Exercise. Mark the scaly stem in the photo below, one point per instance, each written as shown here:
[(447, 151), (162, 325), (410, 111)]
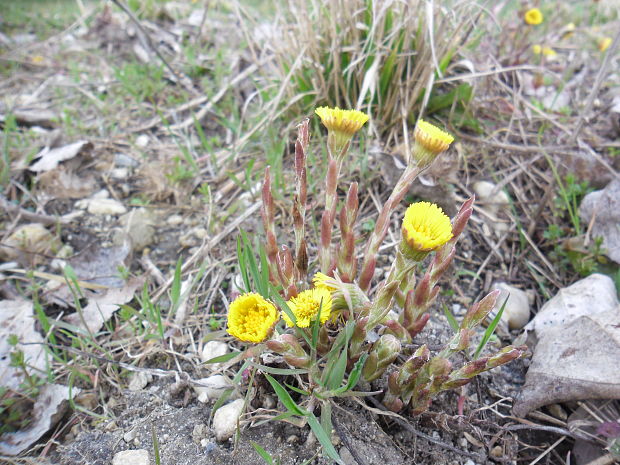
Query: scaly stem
[(383, 223)]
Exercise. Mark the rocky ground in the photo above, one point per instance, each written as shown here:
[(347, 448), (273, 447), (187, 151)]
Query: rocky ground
[(134, 142)]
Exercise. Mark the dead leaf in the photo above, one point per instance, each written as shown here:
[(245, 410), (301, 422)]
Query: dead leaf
[(604, 208), (101, 308), (50, 158), (17, 318), (33, 117), (100, 264), (63, 184), (48, 409), (574, 361)]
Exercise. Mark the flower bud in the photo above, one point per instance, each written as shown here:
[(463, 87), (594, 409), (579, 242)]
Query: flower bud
[(384, 352)]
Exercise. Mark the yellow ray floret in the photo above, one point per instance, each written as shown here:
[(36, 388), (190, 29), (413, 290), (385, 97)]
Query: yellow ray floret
[(432, 138), (533, 17), (307, 304), (604, 43), (251, 318), (347, 122), (321, 280), (426, 227)]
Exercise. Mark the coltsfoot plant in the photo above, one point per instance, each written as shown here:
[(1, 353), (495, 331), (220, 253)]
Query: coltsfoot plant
[(322, 315)]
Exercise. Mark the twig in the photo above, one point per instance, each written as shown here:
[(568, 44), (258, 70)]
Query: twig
[(611, 52), (343, 434), (405, 424), (182, 79)]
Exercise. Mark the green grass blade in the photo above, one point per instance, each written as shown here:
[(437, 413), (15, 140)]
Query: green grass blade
[(285, 397), (489, 332), (324, 438), (262, 452), (450, 317), (175, 289)]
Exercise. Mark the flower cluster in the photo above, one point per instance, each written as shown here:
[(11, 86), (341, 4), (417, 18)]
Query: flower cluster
[(340, 326)]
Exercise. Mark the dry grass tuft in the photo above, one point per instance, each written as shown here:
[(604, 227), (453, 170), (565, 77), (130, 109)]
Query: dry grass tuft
[(381, 57)]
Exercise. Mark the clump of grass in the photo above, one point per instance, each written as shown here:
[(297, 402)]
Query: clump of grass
[(380, 57)]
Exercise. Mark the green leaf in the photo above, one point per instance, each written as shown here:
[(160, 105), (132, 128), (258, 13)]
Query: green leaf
[(262, 452), (220, 401), (354, 376), (278, 371), (243, 269), (175, 289), (285, 397), (489, 332), (450, 317), (338, 370), (222, 358), (324, 438)]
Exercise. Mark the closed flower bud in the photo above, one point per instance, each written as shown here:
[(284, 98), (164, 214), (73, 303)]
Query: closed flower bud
[(382, 355)]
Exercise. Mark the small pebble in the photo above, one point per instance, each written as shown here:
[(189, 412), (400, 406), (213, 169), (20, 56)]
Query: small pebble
[(213, 349), (131, 457), (130, 435), (211, 388), (142, 140), (174, 220), (225, 420)]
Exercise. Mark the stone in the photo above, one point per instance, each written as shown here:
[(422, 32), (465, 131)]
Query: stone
[(174, 220), (517, 311), (122, 160), (213, 349), (494, 201), (587, 297), (105, 207), (488, 194), (130, 435), (602, 208), (139, 225), (225, 419), (131, 457), (142, 140), (30, 238), (211, 388), (139, 380)]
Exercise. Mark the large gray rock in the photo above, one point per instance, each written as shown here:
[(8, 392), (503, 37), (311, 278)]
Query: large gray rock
[(603, 207)]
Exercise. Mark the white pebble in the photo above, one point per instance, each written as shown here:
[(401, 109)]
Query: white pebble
[(211, 388), (225, 420), (517, 311), (213, 349), (131, 457)]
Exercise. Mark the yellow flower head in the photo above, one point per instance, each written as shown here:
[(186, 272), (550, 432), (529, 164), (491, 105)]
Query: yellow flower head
[(345, 121), (604, 43), (251, 318), (536, 49), (425, 228), (432, 138), (321, 280), (549, 52), (533, 17), (430, 141), (306, 305), (341, 125)]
